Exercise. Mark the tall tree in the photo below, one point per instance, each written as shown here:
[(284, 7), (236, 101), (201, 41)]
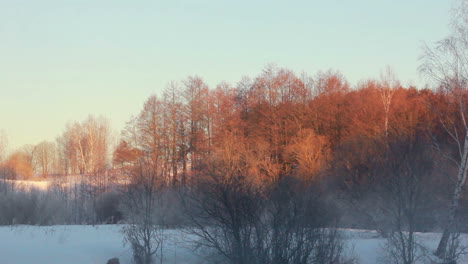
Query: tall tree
[(387, 89), (447, 65), (86, 145), (144, 153), (195, 94), (45, 156), (174, 132), (328, 108)]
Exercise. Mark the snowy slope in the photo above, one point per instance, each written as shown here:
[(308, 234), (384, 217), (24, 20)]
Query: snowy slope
[(95, 245)]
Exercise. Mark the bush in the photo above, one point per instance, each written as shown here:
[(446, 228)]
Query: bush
[(107, 208), (145, 226), (283, 223), (30, 207)]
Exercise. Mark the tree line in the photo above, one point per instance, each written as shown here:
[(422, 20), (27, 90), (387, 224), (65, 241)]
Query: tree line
[(280, 124), (265, 170), (374, 156), (354, 145)]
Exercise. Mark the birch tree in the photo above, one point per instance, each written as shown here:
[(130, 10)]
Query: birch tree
[(387, 90), (447, 64)]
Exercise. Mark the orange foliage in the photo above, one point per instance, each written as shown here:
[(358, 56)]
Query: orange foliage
[(19, 163), (278, 124)]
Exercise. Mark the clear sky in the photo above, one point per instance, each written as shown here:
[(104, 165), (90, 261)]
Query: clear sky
[(61, 60)]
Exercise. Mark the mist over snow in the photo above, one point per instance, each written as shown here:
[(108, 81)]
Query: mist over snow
[(96, 244)]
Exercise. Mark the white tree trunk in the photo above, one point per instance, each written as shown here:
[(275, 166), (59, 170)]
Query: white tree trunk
[(441, 249)]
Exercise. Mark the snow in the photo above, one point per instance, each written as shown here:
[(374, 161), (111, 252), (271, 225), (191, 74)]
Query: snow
[(79, 245), (29, 185), (97, 244), (61, 244)]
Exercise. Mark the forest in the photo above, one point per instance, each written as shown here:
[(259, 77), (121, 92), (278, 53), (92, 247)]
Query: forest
[(376, 156), (268, 169)]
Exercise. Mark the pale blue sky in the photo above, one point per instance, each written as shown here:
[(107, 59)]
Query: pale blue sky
[(61, 60)]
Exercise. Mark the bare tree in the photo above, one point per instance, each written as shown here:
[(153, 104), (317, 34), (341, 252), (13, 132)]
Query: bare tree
[(387, 89), (142, 205), (3, 146), (243, 220), (144, 156), (174, 126), (6, 172), (405, 182), (195, 94), (447, 65), (310, 152), (84, 148), (65, 153), (86, 144), (330, 82), (29, 153), (245, 223), (45, 156)]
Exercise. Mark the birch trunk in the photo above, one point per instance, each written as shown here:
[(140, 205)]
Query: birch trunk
[(442, 247)]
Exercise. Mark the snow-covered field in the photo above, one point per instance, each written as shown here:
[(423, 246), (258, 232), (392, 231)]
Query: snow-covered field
[(95, 245)]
